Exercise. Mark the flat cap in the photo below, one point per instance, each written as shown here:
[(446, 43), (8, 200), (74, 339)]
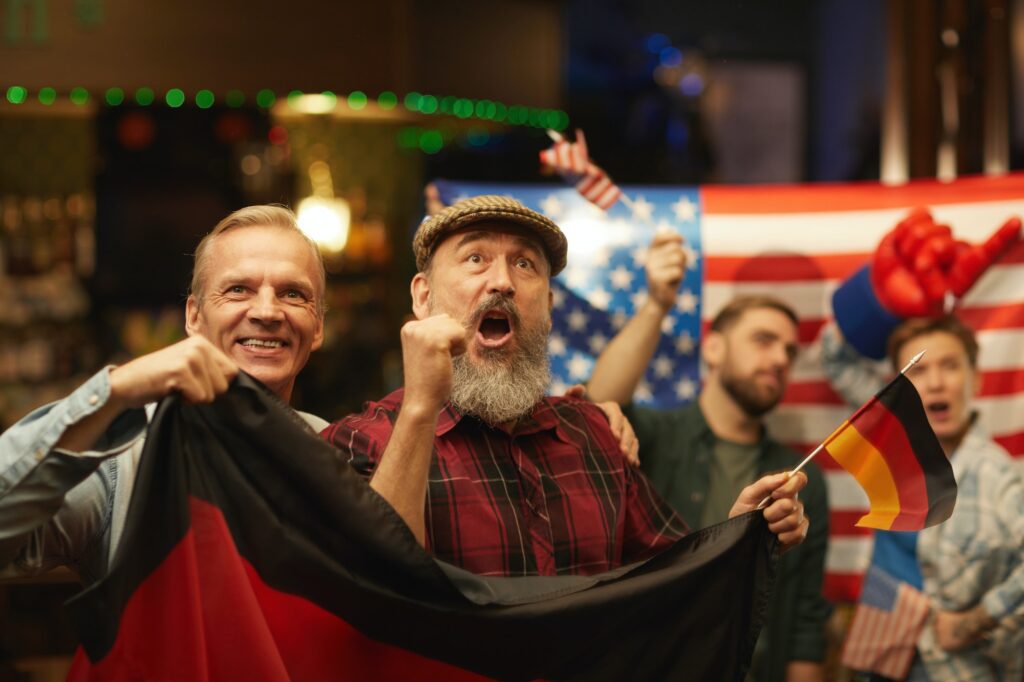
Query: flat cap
[(489, 208)]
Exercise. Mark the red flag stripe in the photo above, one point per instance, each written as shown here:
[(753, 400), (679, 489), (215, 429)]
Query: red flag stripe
[(845, 584), (1013, 442), (783, 267), (843, 523), (1008, 316), (828, 198)]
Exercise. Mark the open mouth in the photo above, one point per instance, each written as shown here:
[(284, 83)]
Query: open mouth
[(494, 329)]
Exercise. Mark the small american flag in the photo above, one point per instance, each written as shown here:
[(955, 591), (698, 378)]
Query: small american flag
[(888, 620), (572, 161)]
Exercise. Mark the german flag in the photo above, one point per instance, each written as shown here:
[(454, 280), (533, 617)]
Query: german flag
[(253, 551), (889, 447)]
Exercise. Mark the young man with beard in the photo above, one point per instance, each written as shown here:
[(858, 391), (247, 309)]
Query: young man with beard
[(67, 469), (699, 456), (489, 473)]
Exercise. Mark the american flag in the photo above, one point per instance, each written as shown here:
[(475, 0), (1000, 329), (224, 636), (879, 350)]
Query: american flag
[(572, 161), (797, 242), (886, 625)]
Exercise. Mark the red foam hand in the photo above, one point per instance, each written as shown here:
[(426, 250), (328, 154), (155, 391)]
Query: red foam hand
[(919, 262), (971, 261)]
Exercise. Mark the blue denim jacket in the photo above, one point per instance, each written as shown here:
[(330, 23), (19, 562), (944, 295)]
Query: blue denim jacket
[(57, 507)]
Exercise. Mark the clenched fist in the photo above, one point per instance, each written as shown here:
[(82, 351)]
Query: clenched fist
[(428, 346)]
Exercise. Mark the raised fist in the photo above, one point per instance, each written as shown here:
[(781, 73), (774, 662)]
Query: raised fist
[(919, 262)]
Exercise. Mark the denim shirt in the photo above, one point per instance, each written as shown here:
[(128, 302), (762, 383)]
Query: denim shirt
[(64, 508)]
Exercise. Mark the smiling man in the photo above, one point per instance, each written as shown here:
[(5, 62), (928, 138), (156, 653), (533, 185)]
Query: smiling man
[(67, 469), (489, 473)]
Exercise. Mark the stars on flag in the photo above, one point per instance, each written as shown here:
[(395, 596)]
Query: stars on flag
[(685, 343), (556, 344), (663, 367), (639, 256), (686, 389), (642, 209), (643, 392), (685, 209), (579, 367), (599, 298), (686, 302), (597, 343), (551, 207), (577, 320), (621, 278), (692, 257)]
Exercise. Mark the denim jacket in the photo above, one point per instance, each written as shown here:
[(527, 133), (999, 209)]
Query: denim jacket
[(64, 508)]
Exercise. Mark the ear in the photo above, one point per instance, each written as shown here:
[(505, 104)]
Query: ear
[(551, 299), (192, 316), (976, 382), (318, 335), (713, 349), (420, 291)]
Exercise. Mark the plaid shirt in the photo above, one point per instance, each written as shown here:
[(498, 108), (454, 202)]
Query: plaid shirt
[(977, 555), (553, 497)]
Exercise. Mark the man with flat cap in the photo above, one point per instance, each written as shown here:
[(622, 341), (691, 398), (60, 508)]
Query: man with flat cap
[(489, 473)]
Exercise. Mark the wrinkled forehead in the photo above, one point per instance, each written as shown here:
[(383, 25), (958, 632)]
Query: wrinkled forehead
[(493, 231)]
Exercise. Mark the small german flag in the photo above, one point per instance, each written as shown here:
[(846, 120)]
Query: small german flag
[(889, 447)]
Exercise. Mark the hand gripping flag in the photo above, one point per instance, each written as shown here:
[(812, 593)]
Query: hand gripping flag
[(572, 161), (892, 452), (252, 551)]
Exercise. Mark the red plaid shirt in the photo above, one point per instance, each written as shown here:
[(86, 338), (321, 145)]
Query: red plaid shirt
[(553, 497)]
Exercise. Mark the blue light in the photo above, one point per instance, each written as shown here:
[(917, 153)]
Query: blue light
[(691, 84), (656, 42), (670, 56)]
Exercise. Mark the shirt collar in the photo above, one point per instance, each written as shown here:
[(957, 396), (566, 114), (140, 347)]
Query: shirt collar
[(695, 415), (541, 418)]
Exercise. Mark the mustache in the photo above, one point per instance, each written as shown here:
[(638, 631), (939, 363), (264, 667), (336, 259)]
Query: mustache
[(499, 302)]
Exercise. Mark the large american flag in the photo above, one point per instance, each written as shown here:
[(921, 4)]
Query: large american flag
[(797, 242)]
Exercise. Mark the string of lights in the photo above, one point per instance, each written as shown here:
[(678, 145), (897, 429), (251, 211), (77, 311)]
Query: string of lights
[(314, 103)]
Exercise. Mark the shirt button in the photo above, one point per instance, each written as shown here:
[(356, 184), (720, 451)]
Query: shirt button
[(93, 399), (697, 497), (40, 453)]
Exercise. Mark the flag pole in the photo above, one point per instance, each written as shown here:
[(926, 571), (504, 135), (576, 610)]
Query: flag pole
[(913, 361)]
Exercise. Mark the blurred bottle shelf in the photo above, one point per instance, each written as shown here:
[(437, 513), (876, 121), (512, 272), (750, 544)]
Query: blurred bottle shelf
[(47, 343)]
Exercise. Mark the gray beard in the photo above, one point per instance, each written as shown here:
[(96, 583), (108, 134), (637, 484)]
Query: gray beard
[(504, 384)]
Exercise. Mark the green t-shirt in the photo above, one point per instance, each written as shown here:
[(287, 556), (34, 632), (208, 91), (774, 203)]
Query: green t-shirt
[(732, 468)]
